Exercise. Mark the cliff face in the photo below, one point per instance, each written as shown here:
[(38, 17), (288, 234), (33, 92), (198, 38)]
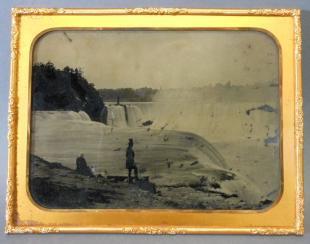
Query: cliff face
[(67, 89)]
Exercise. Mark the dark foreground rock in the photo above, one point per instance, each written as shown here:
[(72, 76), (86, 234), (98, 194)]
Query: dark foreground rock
[(82, 168), (54, 186)]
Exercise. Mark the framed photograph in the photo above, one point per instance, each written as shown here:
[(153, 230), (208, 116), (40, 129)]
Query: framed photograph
[(157, 121)]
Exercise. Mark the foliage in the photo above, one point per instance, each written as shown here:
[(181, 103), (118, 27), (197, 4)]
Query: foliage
[(66, 89), (144, 94)]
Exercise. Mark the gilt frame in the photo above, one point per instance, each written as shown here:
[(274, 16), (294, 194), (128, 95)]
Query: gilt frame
[(285, 217)]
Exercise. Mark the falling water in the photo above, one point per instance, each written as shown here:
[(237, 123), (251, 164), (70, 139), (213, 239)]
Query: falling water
[(124, 115)]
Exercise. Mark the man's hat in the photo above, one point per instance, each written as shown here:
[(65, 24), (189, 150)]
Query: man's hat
[(130, 140)]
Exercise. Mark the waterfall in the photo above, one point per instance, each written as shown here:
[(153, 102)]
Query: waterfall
[(124, 115), (116, 116), (135, 115)]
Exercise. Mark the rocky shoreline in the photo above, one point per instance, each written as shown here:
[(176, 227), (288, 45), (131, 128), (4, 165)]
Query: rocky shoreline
[(56, 186)]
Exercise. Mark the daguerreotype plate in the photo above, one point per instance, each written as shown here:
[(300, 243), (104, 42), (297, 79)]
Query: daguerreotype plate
[(156, 121)]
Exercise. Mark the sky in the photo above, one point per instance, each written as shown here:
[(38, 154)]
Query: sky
[(163, 59)]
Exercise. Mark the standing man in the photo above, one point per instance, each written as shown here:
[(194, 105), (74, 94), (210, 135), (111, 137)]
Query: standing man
[(130, 161)]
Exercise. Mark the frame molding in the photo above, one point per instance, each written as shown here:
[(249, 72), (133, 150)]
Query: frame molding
[(12, 215)]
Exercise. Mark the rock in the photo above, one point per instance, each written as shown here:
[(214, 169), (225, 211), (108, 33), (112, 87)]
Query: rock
[(145, 185), (215, 185), (147, 123), (194, 163), (203, 180), (82, 167), (166, 138), (266, 202), (226, 176)]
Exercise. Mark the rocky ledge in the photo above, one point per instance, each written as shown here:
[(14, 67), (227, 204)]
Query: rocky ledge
[(53, 185)]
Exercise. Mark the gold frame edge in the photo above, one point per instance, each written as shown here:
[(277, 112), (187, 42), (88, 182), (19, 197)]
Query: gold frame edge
[(11, 214)]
